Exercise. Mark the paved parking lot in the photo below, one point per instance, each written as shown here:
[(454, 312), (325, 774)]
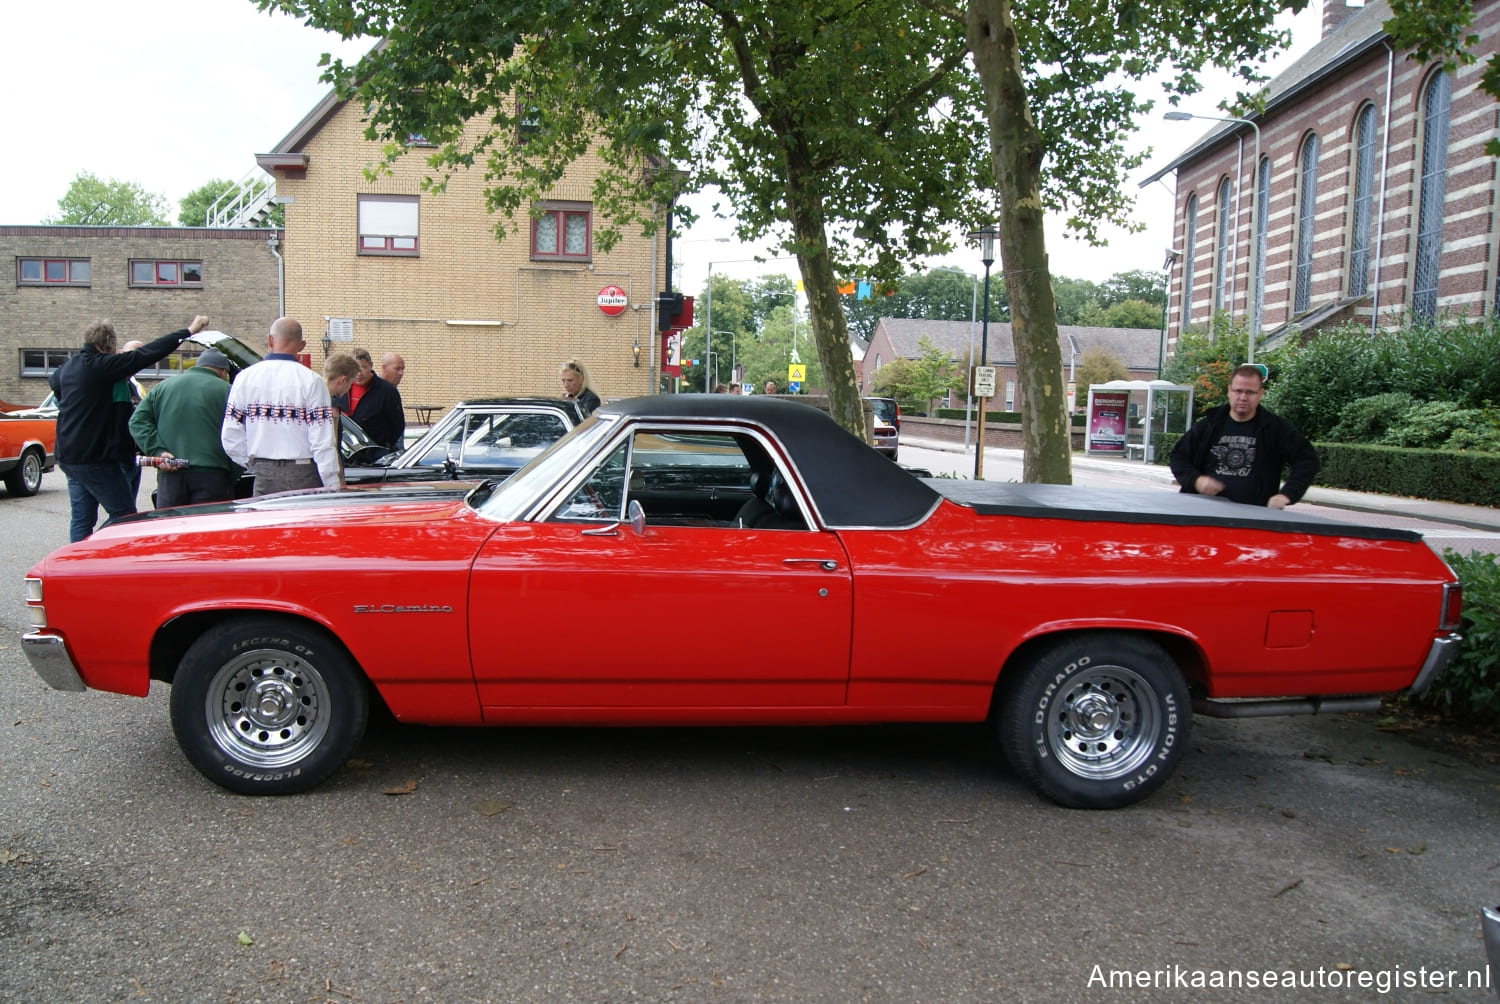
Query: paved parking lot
[(846, 864)]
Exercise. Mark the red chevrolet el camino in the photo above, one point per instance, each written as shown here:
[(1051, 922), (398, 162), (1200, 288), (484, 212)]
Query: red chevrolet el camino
[(596, 586)]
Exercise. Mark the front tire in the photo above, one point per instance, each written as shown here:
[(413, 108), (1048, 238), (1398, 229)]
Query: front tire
[(264, 706), (25, 480), (1095, 721)]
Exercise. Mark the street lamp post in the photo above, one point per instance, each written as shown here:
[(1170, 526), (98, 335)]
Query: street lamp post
[(973, 322), (734, 349), (986, 238), (1253, 321)]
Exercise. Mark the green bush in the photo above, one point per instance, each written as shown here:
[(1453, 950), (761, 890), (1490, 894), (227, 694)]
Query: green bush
[(1455, 360), (1368, 419), (1446, 425), (1470, 686)]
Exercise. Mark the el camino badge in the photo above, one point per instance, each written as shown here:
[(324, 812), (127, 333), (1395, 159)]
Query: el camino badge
[(397, 608)]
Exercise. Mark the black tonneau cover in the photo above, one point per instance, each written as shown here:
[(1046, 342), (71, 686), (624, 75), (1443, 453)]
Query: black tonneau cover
[(1115, 505)]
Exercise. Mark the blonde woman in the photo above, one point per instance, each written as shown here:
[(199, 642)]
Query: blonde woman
[(576, 386)]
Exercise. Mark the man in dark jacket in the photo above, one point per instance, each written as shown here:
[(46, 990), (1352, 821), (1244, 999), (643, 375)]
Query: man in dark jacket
[(94, 447), (375, 405), (1238, 450)]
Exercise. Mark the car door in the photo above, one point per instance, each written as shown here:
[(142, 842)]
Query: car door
[(578, 611)]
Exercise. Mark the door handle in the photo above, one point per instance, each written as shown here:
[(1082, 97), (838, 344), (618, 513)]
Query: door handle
[(827, 564)]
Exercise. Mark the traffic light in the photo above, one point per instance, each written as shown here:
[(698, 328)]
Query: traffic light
[(668, 306)]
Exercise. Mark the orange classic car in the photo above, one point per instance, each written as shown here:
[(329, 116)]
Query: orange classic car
[(28, 442), (596, 586)]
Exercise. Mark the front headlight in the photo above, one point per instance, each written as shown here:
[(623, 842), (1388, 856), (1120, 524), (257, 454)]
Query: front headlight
[(36, 613)]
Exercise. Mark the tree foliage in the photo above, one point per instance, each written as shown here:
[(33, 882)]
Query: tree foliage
[(851, 130), (1058, 84), (1441, 31), (934, 295), (917, 383), (193, 207), (848, 130), (1097, 364), (99, 202)]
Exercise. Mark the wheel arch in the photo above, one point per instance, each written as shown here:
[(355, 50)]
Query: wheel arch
[(173, 638), (1185, 652)]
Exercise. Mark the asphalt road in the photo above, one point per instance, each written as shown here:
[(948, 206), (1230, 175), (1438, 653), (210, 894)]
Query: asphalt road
[(882, 864)]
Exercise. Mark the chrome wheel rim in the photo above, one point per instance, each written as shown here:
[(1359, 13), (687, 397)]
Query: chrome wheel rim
[(267, 708), (1105, 724), (31, 472)]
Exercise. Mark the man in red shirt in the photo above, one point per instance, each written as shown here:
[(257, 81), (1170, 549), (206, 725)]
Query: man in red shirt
[(375, 405)]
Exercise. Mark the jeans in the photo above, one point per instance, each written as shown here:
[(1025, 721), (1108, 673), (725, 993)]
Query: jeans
[(93, 485)]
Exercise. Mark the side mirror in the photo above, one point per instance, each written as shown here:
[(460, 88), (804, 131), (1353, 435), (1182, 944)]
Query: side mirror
[(636, 517)]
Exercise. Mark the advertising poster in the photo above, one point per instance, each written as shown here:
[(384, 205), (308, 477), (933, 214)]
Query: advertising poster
[(1107, 421)]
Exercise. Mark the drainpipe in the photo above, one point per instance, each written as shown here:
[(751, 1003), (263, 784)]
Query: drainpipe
[(271, 244), (1385, 152)]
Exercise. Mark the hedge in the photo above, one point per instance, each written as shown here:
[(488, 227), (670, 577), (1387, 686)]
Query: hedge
[(1465, 476), (1003, 417)]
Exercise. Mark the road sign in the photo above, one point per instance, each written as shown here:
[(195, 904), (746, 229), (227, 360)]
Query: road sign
[(984, 381), (796, 373)]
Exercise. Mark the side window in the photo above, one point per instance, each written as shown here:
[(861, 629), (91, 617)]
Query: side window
[(602, 496), (689, 478)]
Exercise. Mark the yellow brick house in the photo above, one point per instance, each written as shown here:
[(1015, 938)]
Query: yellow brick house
[(384, 265)]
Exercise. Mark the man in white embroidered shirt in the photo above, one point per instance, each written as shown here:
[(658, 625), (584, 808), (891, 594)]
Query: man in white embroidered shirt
[(279, 423)]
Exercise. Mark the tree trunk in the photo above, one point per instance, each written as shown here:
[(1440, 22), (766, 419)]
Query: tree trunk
[(1016, 151), (830, 329)]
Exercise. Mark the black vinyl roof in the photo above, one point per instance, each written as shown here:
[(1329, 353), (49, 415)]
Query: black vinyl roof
[(851, 484)]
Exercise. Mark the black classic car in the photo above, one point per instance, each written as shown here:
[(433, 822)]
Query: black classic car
[(488, 438)]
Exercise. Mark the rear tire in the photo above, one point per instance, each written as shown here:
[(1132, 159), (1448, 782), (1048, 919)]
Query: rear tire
[(1095, 721), (25, 479), (264, 706)]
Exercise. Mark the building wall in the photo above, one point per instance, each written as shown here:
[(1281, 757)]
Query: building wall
[(472, 316), (239, 290), (1468, 263)]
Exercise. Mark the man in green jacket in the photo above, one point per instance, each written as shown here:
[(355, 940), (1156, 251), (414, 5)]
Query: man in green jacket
[(180, 418)]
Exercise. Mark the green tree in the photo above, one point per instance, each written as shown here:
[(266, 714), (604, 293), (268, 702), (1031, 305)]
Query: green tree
[(194, 206), (1056, 82), (848, 130), (1133, 314), (1097, 364), (851, 129), (917, 383), (934, 295), (1135, 284), (96, 202)]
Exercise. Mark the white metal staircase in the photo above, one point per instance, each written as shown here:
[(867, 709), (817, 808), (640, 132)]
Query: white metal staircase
[(247, 204)]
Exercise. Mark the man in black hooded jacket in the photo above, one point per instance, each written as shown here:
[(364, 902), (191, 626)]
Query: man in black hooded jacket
[(94, 446), (1238, 450)]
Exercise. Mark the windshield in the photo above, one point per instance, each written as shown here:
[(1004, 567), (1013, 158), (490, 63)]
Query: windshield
[(512, 498)]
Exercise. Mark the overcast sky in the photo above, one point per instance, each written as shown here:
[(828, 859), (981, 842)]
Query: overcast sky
[(174, 93)]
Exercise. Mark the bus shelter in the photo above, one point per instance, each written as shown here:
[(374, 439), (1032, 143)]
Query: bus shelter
[(1123, 415)]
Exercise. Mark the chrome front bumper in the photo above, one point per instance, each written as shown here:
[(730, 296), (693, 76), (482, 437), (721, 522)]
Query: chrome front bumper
[(1439, 656), (48, 655)]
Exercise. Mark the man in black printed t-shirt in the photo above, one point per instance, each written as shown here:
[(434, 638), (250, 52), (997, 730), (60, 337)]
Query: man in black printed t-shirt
[(1238, 450)]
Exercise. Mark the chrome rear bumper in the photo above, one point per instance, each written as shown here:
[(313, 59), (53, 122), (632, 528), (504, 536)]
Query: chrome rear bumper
[(1438, 657)]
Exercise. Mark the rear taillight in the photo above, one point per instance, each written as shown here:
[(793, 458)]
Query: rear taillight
[(897, 420), (1453, 604)]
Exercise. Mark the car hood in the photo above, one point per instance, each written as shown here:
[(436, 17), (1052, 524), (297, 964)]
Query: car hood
[(319, 502)]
